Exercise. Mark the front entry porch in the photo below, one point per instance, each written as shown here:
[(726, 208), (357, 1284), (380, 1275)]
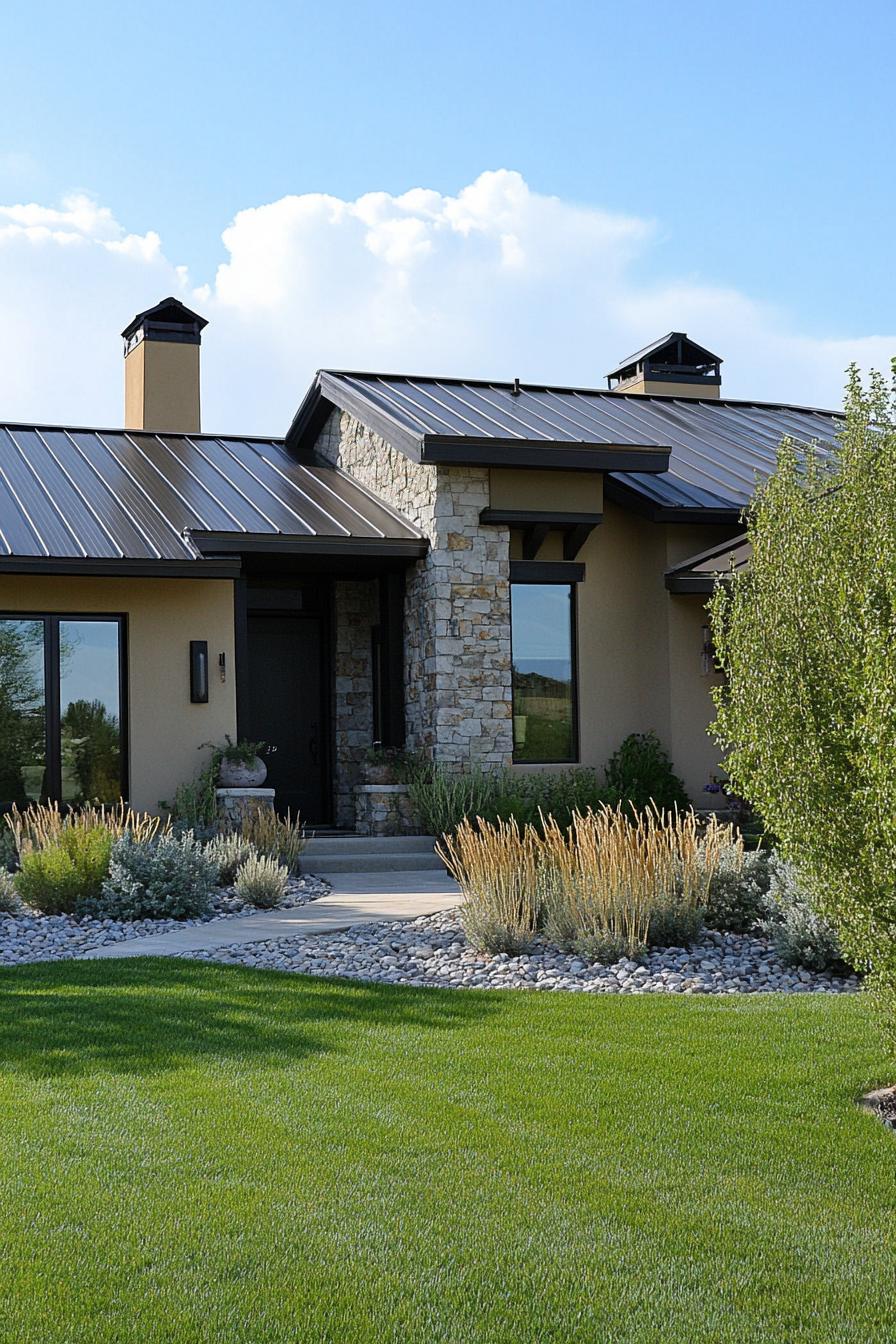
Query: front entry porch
[(320, 676)]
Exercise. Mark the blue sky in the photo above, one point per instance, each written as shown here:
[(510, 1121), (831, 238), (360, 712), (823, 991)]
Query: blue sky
[(736, 150)]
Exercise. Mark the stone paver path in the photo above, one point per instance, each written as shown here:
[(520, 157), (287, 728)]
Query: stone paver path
[(356, 898)]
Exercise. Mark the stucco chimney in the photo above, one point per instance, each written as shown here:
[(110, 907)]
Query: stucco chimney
[(161, 368), (673, 366)]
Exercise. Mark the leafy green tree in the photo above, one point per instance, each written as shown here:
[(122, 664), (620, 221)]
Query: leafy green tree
[(91, 751), (807, 638), (21, 710)]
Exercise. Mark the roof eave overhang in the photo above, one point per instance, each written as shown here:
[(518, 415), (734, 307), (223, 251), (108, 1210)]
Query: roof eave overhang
[(547, 454), (207, 567), (327, 393), (701, 573), (720, 514), (241, 543), (703, 584)]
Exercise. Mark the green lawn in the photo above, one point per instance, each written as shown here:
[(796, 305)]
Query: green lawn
[(204, 1153)]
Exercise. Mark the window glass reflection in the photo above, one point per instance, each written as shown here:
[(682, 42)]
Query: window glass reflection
[(22, 712), (543, 693), (90, 712)]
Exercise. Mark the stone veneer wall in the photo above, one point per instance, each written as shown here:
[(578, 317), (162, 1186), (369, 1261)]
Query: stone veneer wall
[(356, 610), (457, 610)]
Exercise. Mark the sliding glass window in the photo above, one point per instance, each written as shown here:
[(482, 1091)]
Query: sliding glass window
[(544, 680), (61, 709)]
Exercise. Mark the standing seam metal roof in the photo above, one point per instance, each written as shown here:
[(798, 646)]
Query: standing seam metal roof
[(118, 495), (87, 494), (718, 447)]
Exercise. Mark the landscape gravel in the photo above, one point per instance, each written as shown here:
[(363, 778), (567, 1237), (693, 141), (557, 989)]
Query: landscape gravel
[(432, 951), (27, 935)]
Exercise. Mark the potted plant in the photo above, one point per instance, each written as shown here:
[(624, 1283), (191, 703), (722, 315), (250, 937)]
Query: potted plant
[(384, 765), (240, 764)]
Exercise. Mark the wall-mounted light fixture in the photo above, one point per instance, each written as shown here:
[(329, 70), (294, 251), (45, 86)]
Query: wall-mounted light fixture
[(199, 671)]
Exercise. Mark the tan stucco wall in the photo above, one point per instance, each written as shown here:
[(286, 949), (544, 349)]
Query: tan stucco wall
[(639, 647), (564, 491), (161, 387), (655, 388), (166, 730)]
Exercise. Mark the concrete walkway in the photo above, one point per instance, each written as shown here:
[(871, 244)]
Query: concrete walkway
[(356, 898)]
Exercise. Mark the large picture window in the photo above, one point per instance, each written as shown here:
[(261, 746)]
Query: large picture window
[(61, 709), (544, 689)]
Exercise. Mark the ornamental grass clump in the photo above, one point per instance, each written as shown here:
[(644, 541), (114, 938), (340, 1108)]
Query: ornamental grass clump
[(278, 838), (229, 852), (261, 881), (41, 825), (65, 875), (691, 852), (443, 798), (609, 885), (595, 892), (496, 866), (615, 882)]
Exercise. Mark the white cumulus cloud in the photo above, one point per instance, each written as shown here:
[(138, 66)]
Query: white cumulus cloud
[(497, 280)]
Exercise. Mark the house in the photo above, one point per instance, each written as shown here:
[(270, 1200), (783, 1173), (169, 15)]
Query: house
[(491, 572)]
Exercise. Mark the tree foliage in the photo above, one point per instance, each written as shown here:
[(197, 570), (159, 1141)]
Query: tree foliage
[(21, 709), (807, 638)]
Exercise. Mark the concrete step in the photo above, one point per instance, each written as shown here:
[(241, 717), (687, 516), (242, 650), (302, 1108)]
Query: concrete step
[(336, 853), (343, 842), (323, 865)]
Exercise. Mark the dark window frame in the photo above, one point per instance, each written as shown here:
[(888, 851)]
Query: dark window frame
[(52, 691), (561, 582)]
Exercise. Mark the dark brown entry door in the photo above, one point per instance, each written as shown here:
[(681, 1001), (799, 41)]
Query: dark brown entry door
[(286, 709)]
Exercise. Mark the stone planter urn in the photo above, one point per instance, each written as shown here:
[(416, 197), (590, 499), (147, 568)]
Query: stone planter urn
[(378, 773), (238, 775), (383, 765)]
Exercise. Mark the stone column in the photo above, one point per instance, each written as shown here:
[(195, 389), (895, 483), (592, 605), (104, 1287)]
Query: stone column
[(457, 606), (356, 611)]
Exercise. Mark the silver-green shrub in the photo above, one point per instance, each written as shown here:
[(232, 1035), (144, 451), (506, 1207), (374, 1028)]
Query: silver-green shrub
[(261, 881), (171, 877), (801, 936), (9, 897), (228, 852), (278, 838), (674, 925), (738, 890), (605, 948)]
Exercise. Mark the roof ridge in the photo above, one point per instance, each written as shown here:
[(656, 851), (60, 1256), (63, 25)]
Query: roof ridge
[(123, 429), (536, 386)]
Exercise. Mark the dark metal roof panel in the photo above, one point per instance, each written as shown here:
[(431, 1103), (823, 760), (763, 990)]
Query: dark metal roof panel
[(718, 448), (476, 409), (120, 496), (117, 495)]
